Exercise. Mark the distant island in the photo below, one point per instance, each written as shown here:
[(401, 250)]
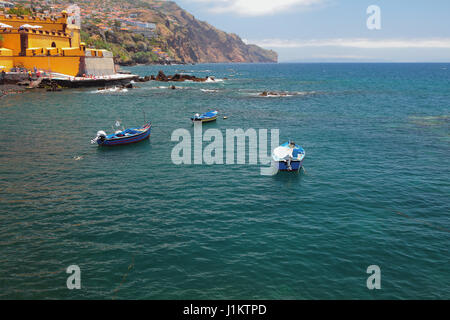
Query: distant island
[(151, 31)]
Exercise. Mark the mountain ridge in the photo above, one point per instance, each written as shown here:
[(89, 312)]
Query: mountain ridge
[(184, 38), (198, 41)]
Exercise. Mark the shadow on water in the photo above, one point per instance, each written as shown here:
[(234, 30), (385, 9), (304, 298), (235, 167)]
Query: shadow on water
[(289, 177)]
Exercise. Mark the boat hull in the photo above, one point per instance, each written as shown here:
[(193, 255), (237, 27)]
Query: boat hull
[(295, 165), (204, 120), (127, 140), (206, 117)]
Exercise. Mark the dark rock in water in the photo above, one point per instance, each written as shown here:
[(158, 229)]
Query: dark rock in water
[(161, 77), (129, 86), (273, 94), (54, 87), (147, 78), (173, 87), (177, 78), (195, 79)]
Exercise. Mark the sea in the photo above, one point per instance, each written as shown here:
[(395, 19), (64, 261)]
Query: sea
[(374, 191)]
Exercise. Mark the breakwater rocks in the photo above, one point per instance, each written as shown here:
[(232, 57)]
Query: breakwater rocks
[(162, 77), (274, 94)]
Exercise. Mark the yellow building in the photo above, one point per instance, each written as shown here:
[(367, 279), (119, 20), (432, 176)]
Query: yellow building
[(49, 44)]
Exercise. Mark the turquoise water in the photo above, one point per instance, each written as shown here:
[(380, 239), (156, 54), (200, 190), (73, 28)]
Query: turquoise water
[(375, 190)]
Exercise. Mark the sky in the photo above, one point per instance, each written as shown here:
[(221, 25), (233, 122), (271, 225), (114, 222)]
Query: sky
[(335, 30)]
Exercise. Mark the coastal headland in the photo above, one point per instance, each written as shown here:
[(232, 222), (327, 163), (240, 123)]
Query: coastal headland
[(72, 49)]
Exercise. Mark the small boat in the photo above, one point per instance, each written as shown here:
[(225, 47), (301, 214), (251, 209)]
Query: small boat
[(127, 136), (289, 151), (206, 117)]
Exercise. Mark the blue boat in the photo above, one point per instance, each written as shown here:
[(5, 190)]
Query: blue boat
[(289, 157), (206, 117), (127, 136)]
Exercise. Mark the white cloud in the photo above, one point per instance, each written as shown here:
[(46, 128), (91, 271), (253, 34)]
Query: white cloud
[(257, 7), (356, 43)]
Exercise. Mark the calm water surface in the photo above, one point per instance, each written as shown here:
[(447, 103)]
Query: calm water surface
[(375, 191)]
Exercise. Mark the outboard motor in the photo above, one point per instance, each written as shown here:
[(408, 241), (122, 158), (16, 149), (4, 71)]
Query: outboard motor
[(101, 136)]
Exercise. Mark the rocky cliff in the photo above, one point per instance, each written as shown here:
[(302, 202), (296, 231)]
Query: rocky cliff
[(194, 41), (183, 37)]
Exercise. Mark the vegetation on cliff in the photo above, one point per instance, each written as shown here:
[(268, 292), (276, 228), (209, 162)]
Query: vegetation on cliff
[(128, 48), (20, 11), (184, 38)]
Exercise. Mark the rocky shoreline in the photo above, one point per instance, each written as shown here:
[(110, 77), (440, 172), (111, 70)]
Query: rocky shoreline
[(162, 77), (8, 89), (20, 84)]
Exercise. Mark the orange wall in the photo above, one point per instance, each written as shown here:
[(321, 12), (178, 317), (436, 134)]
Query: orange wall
[(74, 32), (66, 58), (46, 24), (11, 41), (6, 62), (65, 65), (44, 41)]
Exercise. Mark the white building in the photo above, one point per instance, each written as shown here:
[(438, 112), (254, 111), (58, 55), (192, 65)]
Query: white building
[(4, 4), (74, 13)]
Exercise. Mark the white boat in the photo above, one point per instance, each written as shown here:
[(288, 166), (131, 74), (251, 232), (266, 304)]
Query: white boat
[(289, 157)]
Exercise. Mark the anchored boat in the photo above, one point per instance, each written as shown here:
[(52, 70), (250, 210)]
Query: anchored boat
[(289, 157), (124, 137), (206, 117)]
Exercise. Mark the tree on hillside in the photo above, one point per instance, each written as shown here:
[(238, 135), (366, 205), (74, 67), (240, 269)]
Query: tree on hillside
[(117, 24), (19, 10)]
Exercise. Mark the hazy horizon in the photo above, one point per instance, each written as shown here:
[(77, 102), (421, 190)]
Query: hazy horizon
[(334, 30)]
